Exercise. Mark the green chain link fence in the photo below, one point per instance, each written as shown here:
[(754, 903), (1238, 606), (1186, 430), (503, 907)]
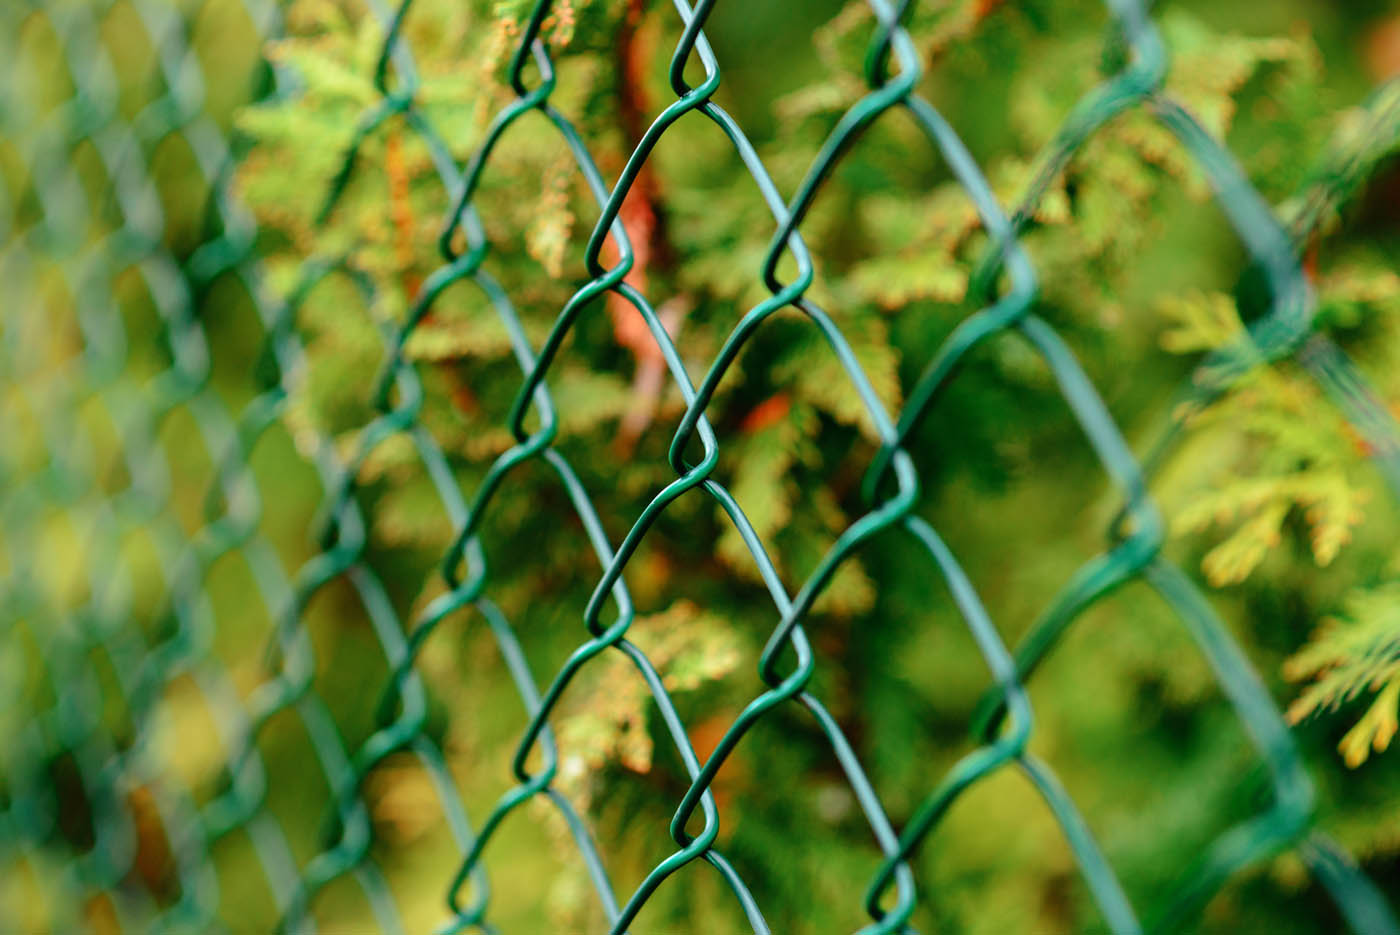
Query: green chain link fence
[(97, 828)]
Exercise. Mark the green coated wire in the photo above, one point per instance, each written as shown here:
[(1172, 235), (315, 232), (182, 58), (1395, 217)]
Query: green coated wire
[(1005, 282)]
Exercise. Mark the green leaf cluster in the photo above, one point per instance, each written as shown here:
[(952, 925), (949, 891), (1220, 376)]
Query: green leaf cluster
[(1137, 273)]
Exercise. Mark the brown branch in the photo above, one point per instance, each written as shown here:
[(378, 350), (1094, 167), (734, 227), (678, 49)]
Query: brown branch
[(643, 217)]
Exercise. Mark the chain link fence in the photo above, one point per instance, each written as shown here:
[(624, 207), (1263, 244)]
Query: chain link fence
[(137, 423)]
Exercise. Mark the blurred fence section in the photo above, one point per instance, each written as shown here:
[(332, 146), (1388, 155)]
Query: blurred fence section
[(150, 493), (124, 475)]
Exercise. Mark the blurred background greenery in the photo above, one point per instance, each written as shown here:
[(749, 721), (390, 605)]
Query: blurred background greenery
[(1273, 502)]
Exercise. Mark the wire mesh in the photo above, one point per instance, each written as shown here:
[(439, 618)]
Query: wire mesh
[(107, 647)]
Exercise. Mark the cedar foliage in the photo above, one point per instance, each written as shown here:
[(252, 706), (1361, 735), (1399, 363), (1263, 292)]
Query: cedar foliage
[(1272, 492)]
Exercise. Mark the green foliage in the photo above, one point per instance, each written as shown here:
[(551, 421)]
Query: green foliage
[(1113, 237), (692, 648), (1287, 452), (1347, 659)]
